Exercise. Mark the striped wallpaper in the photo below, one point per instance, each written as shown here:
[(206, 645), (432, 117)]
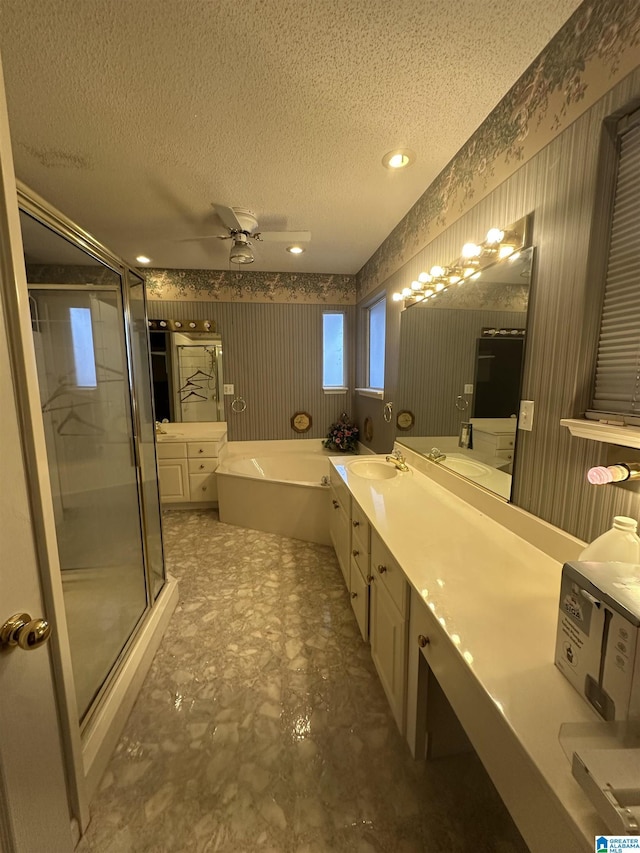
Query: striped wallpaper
[(272, 353), (560, 187)]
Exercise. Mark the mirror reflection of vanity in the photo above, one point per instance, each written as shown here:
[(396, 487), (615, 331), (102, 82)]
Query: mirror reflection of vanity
[(461, 356), (186, 357)]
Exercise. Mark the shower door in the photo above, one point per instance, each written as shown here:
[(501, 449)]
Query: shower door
[(83, 376)]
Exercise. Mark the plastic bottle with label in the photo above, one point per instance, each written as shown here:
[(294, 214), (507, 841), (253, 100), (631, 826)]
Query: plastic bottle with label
[(620, 544)]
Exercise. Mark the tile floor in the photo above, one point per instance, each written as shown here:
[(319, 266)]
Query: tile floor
[(262, 725)]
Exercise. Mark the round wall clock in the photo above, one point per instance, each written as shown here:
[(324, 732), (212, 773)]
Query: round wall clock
[(301, 422), (405, 419)]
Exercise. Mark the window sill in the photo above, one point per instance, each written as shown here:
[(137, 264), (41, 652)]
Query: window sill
[(335, 390), (627, 436), (376, 393)]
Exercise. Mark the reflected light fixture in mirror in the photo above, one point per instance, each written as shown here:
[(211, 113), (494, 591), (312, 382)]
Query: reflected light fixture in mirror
[(498, 245)]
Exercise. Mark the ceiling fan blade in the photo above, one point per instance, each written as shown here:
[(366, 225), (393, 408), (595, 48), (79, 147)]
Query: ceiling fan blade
[(285, 236), (204, 237), (228, 217)]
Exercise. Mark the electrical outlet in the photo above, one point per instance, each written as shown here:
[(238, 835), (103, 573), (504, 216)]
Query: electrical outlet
[(468, 389), (228, 389), (525, 421)]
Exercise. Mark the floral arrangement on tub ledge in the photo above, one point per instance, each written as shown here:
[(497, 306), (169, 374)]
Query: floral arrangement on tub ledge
[(342, 436)]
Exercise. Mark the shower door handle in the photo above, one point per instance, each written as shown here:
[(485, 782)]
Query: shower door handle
[(21, 630)]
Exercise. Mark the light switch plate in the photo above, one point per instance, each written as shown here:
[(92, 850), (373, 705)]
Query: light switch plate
[(525, 421), (468, 389), (228, 389)]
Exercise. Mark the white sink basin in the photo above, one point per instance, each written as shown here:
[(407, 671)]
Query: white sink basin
[(373, 470), (466, 467)]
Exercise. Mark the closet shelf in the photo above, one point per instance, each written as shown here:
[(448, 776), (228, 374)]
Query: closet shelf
[(627, 436)]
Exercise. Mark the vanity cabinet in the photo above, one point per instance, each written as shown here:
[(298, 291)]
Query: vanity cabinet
[(186, 471), (360, 568), (339, 527), (388, 626)]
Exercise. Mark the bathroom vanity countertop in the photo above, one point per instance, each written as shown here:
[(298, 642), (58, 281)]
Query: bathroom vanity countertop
[(205, 431), (496, 597)]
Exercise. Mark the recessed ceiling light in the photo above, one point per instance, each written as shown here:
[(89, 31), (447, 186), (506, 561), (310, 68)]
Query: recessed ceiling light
[(398, 159), (143, 259), (295, 250)]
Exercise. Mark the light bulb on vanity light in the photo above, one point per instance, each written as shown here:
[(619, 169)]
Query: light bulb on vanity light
[(436, 271), (471, 250), (505, 251), (397, 297), (494, 235), (416, 285), (424, 277), (406, 292)]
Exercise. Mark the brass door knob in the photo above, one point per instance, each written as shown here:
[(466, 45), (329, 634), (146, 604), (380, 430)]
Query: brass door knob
[(382, 569), (21, 630), (423, 641)]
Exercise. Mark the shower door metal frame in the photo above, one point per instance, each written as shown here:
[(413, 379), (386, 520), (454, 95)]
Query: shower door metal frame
[(45, 534)]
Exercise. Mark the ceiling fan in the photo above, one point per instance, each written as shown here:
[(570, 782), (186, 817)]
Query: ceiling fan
[(242, 226)]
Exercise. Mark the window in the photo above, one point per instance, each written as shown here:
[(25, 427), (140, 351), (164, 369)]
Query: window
[(376, 342), (82, 343), (333, 360), (617, 380)]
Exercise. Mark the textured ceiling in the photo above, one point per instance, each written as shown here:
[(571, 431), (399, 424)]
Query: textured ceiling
[(132, 116)]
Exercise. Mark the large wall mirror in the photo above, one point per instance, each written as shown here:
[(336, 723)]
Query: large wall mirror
[(461, 357), (187, 371)]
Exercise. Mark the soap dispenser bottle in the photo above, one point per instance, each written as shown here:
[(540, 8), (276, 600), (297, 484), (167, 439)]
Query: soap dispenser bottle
[(620, 544)]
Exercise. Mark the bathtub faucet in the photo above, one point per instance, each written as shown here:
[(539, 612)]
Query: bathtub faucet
[(398, 460)]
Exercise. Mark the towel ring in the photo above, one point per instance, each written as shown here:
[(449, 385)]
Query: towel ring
[(238, 405), (461, 404), (386, 412)]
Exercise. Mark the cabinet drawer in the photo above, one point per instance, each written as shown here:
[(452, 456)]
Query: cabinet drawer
[(504, 442), (172, 450), (359, 526), (203, 487), (340, 500), (203, 465), (360, 557), (386, 571), (505, 454), (202, 448)]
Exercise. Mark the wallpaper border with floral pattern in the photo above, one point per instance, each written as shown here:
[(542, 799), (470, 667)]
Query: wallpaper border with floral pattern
[(599, 45), (231, 286)]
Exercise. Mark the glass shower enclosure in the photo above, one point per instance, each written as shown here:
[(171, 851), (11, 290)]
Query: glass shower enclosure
[(91, 344)]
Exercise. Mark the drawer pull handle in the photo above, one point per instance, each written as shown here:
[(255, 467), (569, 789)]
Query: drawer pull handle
[(201, 450), (423, 641), (354, 595), (382, 569), (370, 578), (202, 466), (356, 523), (336, 505), (355, 552)]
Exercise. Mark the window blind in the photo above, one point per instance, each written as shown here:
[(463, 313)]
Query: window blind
[(617, 380)]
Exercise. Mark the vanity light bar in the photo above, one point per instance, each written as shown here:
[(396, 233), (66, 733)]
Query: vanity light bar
[(499, 245), (182, 326)]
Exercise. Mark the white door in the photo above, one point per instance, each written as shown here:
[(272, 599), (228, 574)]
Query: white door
[(34, 806)]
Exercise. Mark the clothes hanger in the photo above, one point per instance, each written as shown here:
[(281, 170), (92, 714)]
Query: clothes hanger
[(199, 373), (73, 416), (189, 384), (192, 394)]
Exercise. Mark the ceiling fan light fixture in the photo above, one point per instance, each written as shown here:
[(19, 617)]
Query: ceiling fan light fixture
[(241, 250), (295, 250)]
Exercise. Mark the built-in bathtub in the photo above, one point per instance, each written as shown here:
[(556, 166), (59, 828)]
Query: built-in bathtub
[(276, 486)]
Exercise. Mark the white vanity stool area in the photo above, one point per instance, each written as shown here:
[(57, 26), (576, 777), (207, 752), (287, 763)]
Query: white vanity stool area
[(457, 593), (188, 455)]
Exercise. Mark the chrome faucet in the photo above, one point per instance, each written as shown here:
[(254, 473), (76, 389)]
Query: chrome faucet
[(160, 430), (397, 459), (436, 455)]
